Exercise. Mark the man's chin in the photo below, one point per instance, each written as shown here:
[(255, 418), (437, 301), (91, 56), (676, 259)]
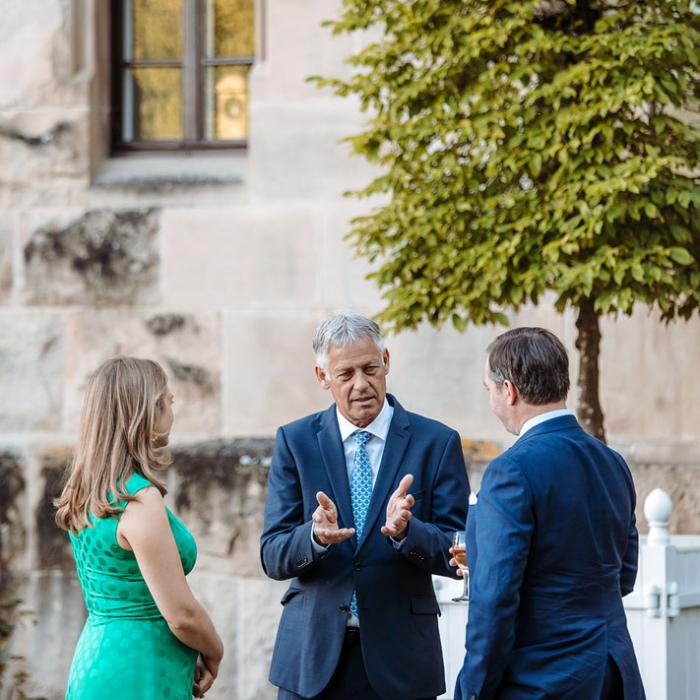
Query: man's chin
[(362, 418)]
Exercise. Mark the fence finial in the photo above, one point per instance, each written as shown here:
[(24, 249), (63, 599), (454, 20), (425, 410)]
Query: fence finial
[(657, 509)]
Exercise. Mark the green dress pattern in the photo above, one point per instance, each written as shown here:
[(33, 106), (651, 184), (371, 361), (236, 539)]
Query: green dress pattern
[(126, 650)]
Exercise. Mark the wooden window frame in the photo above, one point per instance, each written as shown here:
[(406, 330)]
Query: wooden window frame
[(193, 64)]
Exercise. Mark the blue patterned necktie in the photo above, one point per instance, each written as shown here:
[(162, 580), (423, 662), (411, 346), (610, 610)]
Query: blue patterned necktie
[(360, 490)]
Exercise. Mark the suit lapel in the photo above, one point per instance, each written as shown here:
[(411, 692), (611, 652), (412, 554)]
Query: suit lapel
[(331, 448), (396, 443)]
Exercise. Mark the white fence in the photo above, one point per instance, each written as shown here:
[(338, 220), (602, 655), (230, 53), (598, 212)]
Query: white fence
[(663, 611)]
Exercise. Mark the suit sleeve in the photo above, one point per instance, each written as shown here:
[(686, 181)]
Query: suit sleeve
[(505, 521), (628, 570), (286, 548), (427, 544)]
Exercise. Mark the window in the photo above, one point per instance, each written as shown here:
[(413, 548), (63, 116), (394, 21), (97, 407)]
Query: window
[(180, 77)]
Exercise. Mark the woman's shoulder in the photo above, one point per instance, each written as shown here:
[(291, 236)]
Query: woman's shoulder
[(137, 482)]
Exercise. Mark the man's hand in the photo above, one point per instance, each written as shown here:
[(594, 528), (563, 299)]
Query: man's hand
[(398, 510), (325, 517), (453, 562)]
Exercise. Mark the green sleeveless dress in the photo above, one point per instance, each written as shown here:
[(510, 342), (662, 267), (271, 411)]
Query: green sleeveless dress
[(126, 650)]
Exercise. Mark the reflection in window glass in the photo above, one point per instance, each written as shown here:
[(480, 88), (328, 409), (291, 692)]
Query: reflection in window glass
[(153, 97), (156, 29), (227, 103), (230, 28)]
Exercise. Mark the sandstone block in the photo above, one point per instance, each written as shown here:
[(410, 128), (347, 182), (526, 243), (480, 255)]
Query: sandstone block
[(239, 257), (31, 370), (188, 347), (103, 257), (5, 256), (269, 370), (220, 489)]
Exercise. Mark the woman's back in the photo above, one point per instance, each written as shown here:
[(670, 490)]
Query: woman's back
[(126, 649)]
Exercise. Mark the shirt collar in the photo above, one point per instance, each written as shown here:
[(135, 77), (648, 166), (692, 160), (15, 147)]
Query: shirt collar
[(379, 427), (542, 417)]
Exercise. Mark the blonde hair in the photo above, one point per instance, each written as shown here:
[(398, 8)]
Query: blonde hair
[(122, 403)]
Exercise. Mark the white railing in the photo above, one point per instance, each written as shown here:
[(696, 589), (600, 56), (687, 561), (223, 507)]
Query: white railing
[(663, 611)]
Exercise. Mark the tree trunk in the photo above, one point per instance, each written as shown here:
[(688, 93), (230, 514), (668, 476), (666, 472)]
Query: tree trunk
[(589, 411)]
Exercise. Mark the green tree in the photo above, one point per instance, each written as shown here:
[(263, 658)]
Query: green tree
[(524, 147)]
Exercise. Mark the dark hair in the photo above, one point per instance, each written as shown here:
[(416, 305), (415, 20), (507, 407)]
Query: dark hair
[(534, 360)]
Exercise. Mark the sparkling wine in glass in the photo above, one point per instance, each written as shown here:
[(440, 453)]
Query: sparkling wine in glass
[(459, 552)]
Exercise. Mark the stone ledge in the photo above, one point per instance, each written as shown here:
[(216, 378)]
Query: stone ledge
[(165, 172)]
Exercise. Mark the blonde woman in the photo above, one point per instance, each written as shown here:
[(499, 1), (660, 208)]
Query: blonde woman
[(146, 636)]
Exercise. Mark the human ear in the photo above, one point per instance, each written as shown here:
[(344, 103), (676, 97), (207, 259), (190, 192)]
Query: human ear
[(511, 392), (322, 377), (385, 358)]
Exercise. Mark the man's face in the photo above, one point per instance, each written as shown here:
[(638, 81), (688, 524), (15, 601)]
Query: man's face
[(498, 397), (356, 376)]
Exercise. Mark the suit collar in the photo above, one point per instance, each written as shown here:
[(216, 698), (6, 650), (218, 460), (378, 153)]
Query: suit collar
[(331, 447), (549, 426)]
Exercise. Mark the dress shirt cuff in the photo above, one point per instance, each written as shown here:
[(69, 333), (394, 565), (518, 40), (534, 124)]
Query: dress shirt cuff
[(398, 544), (317, 546)]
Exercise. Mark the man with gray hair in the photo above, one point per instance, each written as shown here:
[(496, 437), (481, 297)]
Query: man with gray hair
[(363, 500)]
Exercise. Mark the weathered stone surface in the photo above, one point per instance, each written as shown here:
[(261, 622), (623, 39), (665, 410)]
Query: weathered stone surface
[(239, 257), (220, 493), (681, 482), (269, 366), (13, 533), (5, 256), (649, 379), (104, 257), (50, 617), (31, 370), (246, 612), (188, 347), (53, 546), (38, 147), (343, 274)]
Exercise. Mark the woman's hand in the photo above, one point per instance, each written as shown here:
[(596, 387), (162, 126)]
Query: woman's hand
[(203, 678), (212, 665)]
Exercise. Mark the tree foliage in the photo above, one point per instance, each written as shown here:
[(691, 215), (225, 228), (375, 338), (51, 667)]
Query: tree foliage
[(527, 147)]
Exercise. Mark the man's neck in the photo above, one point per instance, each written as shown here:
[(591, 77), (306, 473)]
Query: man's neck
[(529, 411)]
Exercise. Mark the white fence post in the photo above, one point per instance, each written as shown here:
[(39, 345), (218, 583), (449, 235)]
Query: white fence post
[(663, 612)]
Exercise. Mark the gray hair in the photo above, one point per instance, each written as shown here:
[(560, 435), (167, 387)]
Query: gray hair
[(344, 329)]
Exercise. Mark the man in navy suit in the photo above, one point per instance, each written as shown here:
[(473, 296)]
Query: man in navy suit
[(359, 619), (551, 544)]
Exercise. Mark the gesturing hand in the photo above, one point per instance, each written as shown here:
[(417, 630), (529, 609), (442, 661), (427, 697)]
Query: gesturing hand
[(325, 517), (398, 510)]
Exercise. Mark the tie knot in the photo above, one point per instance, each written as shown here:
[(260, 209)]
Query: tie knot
[(361, 437)]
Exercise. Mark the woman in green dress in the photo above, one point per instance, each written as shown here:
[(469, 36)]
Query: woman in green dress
[(146, 636)]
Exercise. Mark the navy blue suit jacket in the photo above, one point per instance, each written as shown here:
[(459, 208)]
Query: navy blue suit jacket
[(397, 606), (552, 548)]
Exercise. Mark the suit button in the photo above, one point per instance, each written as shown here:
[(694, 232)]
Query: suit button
[(357, 566)]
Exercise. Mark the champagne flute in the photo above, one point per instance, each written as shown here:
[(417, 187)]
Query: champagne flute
[(459, 552)]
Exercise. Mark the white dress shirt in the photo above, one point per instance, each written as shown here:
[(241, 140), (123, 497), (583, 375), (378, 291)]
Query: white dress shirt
[(542, 417), (378, 429)]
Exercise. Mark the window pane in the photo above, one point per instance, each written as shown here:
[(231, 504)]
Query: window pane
[(152, 104), (155, 29), (230, 28), (227, 102)]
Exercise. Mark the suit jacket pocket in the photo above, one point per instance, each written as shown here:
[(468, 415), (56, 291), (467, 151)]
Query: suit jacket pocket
[(289, 594), (425, 606)]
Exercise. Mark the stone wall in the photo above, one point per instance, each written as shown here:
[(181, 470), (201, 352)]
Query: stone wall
[(219, 266)]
